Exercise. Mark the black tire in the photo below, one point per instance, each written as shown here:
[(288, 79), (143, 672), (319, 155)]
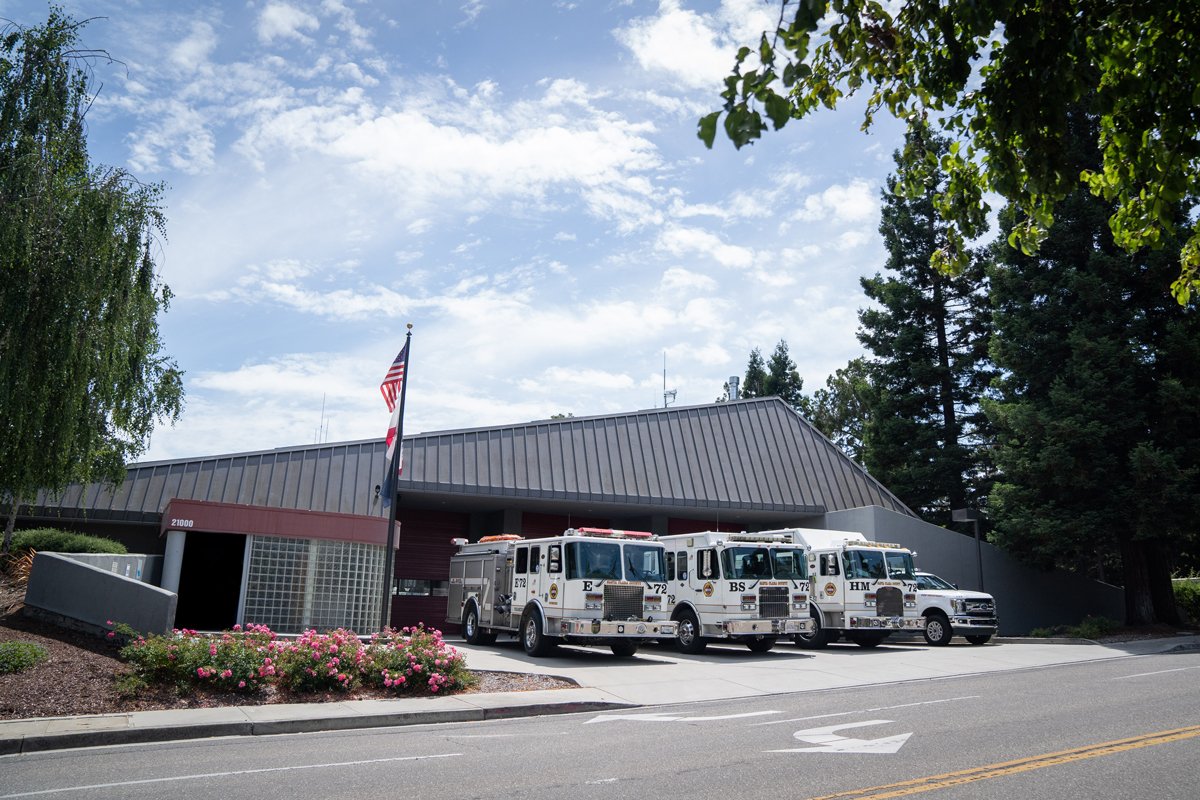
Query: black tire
[(533, 639), (818, 639), (471, 631), (980, 639), (687, 634), (761, 644), (866, 639), (937, 630), (624, 649)]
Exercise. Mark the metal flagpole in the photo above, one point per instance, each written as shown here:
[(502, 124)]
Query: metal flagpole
[(389, 555)]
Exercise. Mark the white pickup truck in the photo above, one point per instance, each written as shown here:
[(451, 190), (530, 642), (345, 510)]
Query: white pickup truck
[(949, 610)]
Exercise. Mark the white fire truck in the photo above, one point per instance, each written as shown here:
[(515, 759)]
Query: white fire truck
[(742, 587), (588, 586), (862, 590)]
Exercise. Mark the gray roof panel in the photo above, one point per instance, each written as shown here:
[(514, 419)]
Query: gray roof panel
[(756, 454)]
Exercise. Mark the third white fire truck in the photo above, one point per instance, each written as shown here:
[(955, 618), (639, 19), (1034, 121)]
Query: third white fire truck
[(741, 587), (862, 590), (588, 586)]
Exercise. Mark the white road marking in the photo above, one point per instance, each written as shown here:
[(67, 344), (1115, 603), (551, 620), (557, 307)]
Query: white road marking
[(602, 780), (872, 710), (224, 774), (672, 718), (1160, 672), (827, 741)]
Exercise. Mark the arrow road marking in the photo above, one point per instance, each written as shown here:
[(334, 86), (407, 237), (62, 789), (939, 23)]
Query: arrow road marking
[(670, 718), (826, 741)]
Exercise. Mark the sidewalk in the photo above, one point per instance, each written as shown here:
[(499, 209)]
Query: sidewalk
[(656, 676)]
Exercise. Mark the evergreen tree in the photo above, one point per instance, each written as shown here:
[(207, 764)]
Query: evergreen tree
[(755, 382), (1098, 431), (783, 380), (82, 379), (927, 334)]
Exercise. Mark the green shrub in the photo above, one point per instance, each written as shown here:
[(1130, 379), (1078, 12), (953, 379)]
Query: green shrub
[(1089, 628), (1094, 628), (52, 540), (231, 661), (415, 660), (20, 656), (1187, 597)]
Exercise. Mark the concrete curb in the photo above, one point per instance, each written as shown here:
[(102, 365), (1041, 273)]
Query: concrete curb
[(123, 729)]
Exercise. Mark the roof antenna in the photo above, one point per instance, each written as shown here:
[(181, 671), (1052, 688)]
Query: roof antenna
[(668, 395)]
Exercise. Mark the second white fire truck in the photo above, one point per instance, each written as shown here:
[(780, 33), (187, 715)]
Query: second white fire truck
[(862, 590), (588, 586), (741, 587)]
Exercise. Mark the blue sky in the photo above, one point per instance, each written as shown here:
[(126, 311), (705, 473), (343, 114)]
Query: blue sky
[(519, 180)]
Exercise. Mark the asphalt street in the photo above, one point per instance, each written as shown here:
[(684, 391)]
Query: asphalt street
[(1121, 727)]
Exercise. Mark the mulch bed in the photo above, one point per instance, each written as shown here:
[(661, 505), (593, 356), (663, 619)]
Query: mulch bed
[(80, 674)]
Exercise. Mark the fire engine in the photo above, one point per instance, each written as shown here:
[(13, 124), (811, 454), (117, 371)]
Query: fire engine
[(588, 586), (741, 587), (862, 590)]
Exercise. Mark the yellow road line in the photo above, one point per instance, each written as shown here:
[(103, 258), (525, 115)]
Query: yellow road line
[(948, 779)]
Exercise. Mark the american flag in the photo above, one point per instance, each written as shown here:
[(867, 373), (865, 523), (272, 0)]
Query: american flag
[(390, 388)]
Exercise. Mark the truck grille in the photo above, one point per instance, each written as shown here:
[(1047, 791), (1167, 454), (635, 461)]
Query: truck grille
[(623, 600), (889, 602), (773, 602), (981, 608)]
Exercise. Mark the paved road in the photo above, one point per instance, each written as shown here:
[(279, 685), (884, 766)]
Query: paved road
[(1127, 727)]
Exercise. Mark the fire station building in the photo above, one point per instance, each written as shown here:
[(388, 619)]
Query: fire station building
[(295, 537)]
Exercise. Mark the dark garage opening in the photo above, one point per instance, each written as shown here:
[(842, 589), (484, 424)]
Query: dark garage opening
[(210, 581)]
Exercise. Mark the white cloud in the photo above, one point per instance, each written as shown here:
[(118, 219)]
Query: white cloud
[(852, 202), (678, 279), (191, 53), (283, 21), (681, 241)]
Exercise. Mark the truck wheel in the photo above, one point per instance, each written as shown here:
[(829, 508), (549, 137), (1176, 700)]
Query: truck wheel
[(761, 644), (865, 639), (533, 639), (818, 639), (624, 649), (980, 639), (471, 630), (937, 630), (687, 634)]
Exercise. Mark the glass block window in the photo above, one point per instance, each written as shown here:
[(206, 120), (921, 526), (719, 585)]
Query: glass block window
[(296, 584)]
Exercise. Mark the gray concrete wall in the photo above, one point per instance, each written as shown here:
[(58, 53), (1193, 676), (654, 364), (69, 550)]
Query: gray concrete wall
[(62, 586), (139, 566), (1025, 598)]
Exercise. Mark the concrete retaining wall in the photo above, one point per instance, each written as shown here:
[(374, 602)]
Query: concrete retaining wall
[(140, 567), (1025, 598), (63, 586)]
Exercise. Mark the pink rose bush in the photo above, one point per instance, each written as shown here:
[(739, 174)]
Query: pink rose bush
[(410, 660)]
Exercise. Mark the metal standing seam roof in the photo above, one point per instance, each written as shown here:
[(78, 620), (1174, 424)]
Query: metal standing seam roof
[(752, 455)]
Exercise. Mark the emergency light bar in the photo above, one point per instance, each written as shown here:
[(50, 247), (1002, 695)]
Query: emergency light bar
[(609, 533)]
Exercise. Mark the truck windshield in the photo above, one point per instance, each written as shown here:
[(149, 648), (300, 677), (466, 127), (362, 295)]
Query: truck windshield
[(900, 565), (644, 563), (596, 560), (933, 582), (746, 562), (789, 565), (866, 564)]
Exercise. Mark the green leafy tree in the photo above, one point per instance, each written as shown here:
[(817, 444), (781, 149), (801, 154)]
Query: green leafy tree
[(1097, 428), (972, 67), (927, 333), (843, 409), (82, 378)]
